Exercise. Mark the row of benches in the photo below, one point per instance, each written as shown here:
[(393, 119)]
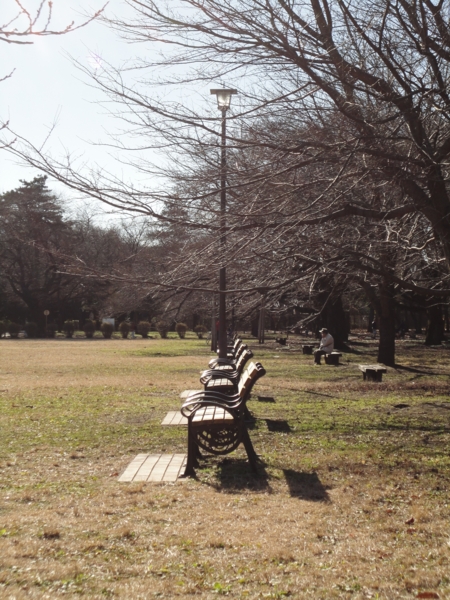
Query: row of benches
[(217, 415)]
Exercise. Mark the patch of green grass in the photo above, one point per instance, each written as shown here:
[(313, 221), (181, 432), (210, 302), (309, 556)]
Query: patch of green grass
[(351, 498), (173, 346)]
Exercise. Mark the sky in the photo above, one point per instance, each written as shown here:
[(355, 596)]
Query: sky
[(46, 88), (47, 93)]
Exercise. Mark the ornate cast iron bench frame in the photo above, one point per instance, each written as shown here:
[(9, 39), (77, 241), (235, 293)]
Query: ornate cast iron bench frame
[(216, 421)]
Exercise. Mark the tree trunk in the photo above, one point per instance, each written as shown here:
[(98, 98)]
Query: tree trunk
[(255, 326), (335, 319), (386, 348), (262, 321), (370, 320), (435, 325), (417, 320)]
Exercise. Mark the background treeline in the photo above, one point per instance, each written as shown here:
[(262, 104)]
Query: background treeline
[(82, 272), (50, 262)]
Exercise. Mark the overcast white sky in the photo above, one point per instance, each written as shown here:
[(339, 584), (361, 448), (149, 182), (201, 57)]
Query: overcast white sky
[(47, 88)]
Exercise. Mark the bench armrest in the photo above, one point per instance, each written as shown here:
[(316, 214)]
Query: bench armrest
[(193, 404), (217, 374), (221, 361)]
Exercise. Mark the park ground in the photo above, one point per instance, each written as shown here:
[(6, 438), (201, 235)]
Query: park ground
[(352, 499)]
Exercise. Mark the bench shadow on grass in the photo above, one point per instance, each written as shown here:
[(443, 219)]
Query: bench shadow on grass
[(278, 425), (235, 474), (266, 399), (306, 486), (414, 370)]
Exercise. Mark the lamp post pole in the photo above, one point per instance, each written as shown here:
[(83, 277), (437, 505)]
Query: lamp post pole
[(223, 101)]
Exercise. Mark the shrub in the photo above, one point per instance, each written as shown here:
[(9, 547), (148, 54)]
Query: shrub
[(13, 329), (124, 329), (31, 329), (69, 328), (89, 328), (107, 330), (181, 329), (162, 327), (143, 328), (200, 330), (51, 330)]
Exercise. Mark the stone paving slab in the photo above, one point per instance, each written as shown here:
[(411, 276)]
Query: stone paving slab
[(187, 393), (154, 468), (174, 417)]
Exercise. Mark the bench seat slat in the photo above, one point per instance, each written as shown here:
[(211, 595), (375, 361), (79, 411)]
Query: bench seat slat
[(211, 413)]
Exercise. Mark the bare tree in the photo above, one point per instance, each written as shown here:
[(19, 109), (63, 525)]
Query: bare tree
[(339, 102), (24, 24)]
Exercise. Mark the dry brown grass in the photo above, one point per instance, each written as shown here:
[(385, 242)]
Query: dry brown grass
[(352, 501)]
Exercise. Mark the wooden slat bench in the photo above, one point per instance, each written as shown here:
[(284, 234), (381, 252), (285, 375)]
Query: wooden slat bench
[(332, 358), (221, 384), (233, 355), (372, 372), (216, 422), (232, 370)]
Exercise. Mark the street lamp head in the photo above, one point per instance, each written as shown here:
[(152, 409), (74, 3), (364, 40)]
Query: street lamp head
[(223, 98)]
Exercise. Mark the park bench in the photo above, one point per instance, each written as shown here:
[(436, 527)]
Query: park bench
[(307, 349), (217, 422), (372, 372), (233, 348), (332, 358), (228, 382), (233, 354), (233, 370)]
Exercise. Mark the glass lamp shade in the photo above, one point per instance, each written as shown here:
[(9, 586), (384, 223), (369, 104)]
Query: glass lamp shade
[(223, 98)]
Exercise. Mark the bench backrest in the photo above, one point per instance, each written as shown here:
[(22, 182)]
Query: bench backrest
[(236, 348), (245, 356), (242, 348), (248, 379), (237, 342)]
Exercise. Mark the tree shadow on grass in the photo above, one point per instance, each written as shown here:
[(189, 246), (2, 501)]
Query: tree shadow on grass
[(359, 343), (427, 428), (319, 394), (413, 370), (306, 486), (439, 405), (351, 350)]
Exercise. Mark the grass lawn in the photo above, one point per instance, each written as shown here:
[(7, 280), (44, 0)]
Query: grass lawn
[(352, 500)]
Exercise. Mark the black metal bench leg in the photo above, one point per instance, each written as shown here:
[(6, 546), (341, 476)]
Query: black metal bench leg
[(252, 456), (192, 461), (247, 414)]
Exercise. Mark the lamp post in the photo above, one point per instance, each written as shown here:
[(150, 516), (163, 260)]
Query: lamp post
[(223, 103)]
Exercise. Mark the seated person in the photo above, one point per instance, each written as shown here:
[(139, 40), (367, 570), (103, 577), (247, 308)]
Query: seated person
[(326, 345)]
